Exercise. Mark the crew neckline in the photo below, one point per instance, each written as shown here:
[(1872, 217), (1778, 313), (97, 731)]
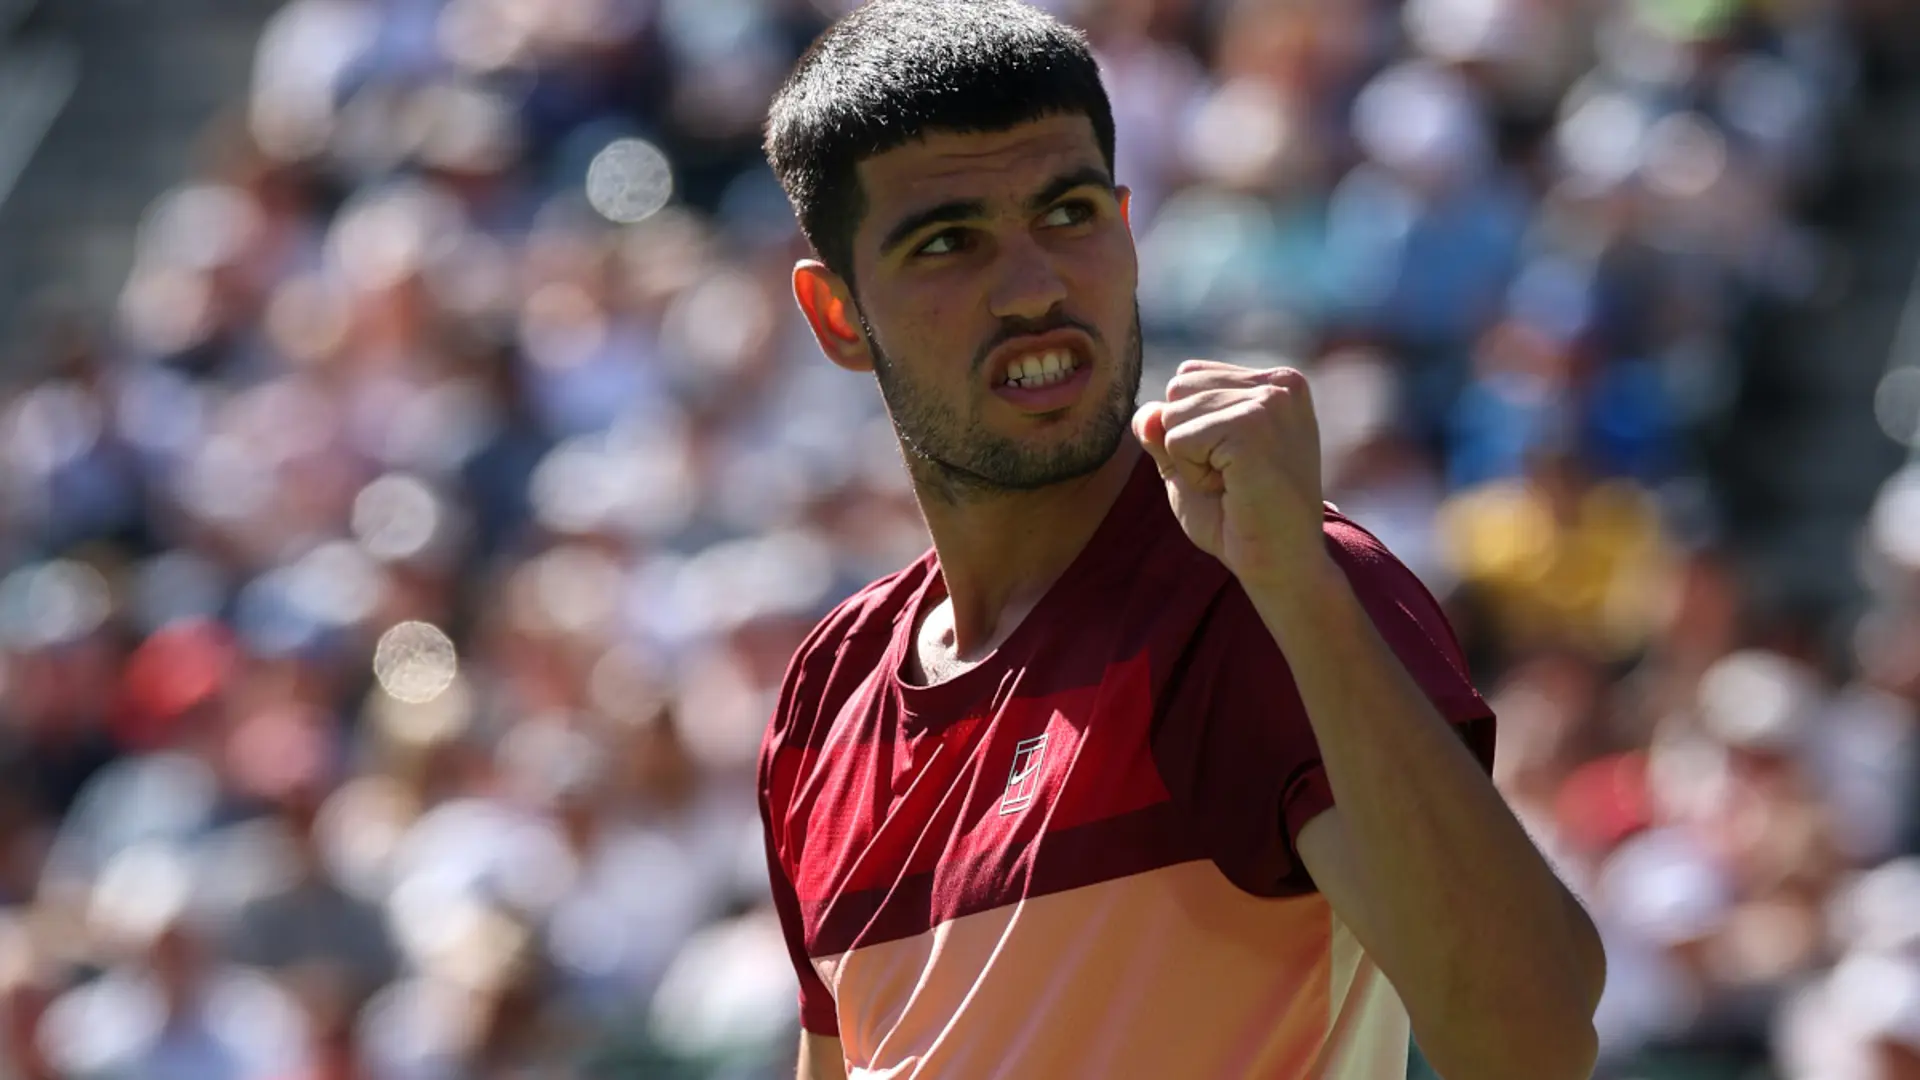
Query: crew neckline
[(928, 708)]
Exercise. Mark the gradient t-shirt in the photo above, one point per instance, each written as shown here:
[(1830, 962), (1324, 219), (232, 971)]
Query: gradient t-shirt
[(1076, 859)]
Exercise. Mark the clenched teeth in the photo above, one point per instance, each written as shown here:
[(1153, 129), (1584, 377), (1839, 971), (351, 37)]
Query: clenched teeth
[(1041, 369)]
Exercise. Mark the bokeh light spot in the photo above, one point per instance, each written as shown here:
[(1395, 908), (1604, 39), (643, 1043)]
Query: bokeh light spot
[(414, 662), (629, 181)]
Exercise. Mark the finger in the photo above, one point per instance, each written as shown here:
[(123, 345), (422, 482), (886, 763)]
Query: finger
[(1204, 442), (1150, 427), (1282, 391), (1202, 364), (1299, 397), (1197, 379), (1202, 402), (1293, 381)]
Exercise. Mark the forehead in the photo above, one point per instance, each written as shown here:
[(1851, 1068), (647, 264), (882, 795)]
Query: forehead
[(985, 166)]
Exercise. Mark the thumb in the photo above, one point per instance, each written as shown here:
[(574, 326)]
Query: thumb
[(1150, 427)]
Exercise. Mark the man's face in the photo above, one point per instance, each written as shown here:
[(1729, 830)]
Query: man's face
[(995, 278)]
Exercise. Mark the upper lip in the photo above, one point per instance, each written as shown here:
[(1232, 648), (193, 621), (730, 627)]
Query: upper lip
[(1072, 341)]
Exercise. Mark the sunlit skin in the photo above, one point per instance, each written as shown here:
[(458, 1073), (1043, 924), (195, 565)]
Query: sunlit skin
[(974, 248)]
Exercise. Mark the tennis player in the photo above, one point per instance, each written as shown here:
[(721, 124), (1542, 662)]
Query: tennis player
[(1155, 765)]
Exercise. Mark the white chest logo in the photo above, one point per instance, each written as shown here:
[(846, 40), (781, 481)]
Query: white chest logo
[(1023, 780)]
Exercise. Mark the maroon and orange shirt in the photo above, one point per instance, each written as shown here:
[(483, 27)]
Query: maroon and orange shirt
[(1076, 859)]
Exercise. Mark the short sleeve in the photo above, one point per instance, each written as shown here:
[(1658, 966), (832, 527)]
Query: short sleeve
[(1233, 741), (817, 1013), (780, 752)]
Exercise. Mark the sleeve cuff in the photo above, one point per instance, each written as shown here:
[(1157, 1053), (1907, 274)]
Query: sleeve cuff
[(819, 1020), (1311, 793), (1309, 796)]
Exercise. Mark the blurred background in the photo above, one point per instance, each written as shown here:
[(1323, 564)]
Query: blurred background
[(414, 478)]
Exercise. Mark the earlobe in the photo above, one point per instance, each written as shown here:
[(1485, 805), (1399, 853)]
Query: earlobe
[(822, 300)]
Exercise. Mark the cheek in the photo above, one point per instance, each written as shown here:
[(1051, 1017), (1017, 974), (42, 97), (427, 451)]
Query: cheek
[(1106, 278), (927, 323)]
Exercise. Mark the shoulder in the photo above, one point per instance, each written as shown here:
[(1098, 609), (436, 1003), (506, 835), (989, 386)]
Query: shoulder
[(1237, 655), (1402, 606), (866, 615), (1347, 535), (1373, 571), (1233, 739), (855, 632)]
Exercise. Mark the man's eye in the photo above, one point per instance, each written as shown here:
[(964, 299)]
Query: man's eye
[(946, 243), (1069, 213)]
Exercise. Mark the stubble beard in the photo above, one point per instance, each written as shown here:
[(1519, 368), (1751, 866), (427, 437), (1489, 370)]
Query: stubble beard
[(956, 459)]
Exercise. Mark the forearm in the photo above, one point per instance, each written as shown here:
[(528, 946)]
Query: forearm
[(1497, 964)]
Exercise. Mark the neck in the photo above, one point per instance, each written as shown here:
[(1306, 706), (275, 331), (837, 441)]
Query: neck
[(999, 554)]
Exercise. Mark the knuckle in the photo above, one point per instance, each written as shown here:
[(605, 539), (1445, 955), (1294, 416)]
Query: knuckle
[(1287, 379), (1182, 440), (1286, 382)]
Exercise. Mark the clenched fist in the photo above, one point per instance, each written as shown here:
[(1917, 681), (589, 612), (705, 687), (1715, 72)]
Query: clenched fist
[(1239, 449)]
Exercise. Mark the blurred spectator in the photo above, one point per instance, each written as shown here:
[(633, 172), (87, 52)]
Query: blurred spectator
[(165, 1007), (305, 919)]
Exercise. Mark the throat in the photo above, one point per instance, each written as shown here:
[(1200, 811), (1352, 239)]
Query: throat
[(936, 656), (934, 668)]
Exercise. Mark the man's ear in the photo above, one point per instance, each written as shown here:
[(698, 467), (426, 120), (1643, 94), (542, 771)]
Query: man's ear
[(827, 303), (1126, 205)]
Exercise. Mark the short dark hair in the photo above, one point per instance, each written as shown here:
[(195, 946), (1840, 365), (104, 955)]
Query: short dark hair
[(894, 70)]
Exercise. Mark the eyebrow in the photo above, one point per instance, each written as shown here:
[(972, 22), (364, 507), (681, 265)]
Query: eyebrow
[(965, 209)]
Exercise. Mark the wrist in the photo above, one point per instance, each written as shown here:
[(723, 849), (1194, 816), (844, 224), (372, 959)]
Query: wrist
[(1304, 598)]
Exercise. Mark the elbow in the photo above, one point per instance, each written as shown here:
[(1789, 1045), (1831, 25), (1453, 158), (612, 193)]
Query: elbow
[(1568, 1051), (1536, 1023), (1573, 1058), (1590, 962), (1586, 1052), (1544, 1031)]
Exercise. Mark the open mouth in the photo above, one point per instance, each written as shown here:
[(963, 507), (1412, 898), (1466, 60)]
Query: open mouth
[(1035, 370)]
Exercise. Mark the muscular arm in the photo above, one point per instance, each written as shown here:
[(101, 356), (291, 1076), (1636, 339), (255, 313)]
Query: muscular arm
[(1496, 962), (820, 1058)]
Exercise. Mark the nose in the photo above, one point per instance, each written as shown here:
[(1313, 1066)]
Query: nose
[(1028, 287)]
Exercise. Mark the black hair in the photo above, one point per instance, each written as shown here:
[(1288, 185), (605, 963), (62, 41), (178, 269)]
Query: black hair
[(892, 71)]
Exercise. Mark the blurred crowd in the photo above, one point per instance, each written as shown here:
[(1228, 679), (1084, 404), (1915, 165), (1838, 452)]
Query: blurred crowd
[(392, 594)]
